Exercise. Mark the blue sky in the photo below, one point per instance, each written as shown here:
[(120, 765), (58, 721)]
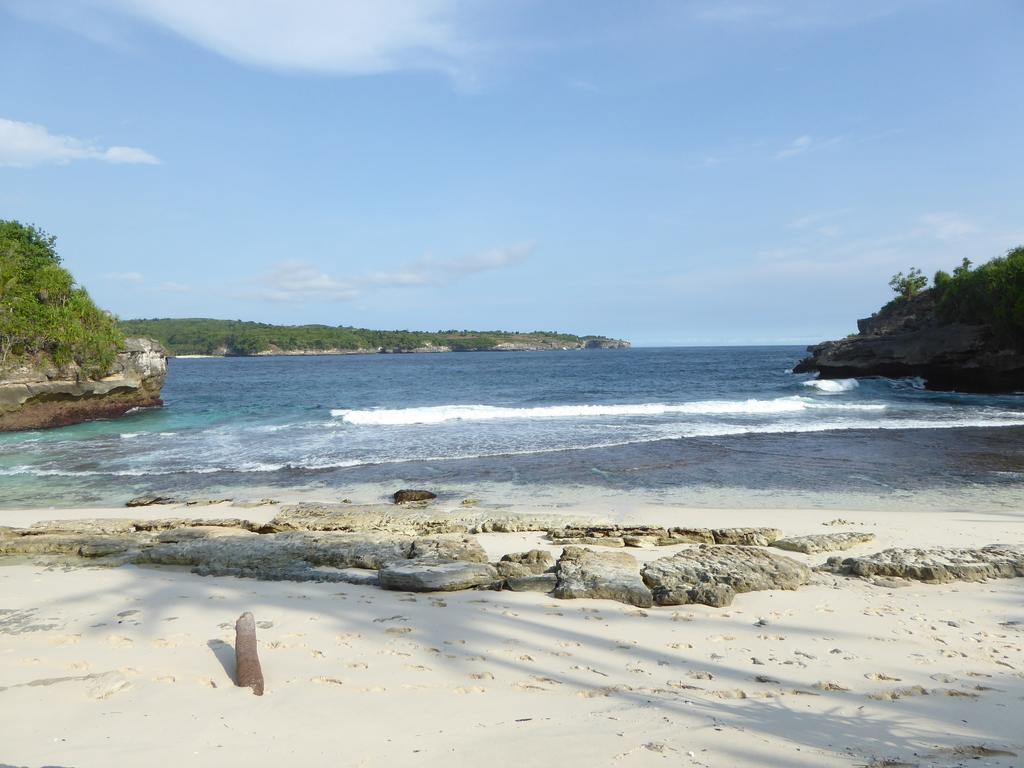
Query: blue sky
[(667, 172)]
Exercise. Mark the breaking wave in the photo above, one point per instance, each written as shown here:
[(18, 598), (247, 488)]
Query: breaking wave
[(439, 414), (832, 386)]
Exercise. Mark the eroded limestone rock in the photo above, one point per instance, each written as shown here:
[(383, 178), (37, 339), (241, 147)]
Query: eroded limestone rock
[(604, 575), (823, 542), (608, 535), (750, 537), (940, 565), (418, 576), (410, 521), (713, 575), (536, 560), (540, 582)]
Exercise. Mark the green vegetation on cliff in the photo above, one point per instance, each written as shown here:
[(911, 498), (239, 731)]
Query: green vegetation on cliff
[(199, 336), (43, 312), (992, 295)]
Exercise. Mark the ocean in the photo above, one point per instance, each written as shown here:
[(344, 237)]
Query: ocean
[(687, 426)]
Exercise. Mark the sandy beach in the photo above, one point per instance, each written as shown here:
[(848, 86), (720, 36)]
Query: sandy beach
[(120, 666)]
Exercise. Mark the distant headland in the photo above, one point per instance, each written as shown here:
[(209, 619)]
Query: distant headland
[(195, 337)]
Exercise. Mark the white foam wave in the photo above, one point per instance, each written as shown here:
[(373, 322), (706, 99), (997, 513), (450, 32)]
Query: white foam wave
[(438, 414), (671, 432), (832, 386)]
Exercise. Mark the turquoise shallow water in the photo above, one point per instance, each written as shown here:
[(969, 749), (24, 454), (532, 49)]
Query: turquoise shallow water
[(696, 421)]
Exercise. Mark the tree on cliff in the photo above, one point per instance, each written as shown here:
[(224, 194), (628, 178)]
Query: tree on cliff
[(42, 310), (910, 284)]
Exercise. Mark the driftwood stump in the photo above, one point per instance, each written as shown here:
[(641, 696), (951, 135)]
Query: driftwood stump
[(248, 673)]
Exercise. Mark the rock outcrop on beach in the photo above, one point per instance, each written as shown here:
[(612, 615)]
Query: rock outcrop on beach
[(908, 338), (610, 535), (38, 394), (714, 575), (601, 575), (823, 542), (422, 550), (998, 561)]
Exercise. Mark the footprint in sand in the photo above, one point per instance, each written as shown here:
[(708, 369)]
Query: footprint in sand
[(470, 689), (165, 679), (64, 640), (882, 676), (327, 680), (357, 665), (417, 668), (829, 685), (346, 638), (398, 631), (119, 641), (529, 686), (481, 676)]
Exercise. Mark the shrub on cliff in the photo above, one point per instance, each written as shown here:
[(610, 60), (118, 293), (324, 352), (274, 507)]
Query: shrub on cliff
[(43, 311), (909, 285), (992, 294)]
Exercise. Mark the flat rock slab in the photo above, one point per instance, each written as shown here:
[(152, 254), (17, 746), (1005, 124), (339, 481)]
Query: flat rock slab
[(750, 537), (607, 535), (996, 561), (120, 525), (713, 575), (823, 542), (410, 521), (540, 582), (601, 575), (436, 577)]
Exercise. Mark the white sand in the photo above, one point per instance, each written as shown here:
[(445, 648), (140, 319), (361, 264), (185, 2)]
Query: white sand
[(357, 676)]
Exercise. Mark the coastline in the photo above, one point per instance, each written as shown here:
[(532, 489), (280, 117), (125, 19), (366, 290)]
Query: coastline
[(416, 351), (832, 674)]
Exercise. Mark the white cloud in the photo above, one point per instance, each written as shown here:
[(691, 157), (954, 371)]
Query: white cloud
[(127, 277), (797, 146), (806, 143), (27, 144), (947, 225), (297, 280), (342, 36)]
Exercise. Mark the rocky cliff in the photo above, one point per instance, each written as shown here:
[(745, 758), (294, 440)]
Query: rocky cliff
[(907, 338), (37, 394)]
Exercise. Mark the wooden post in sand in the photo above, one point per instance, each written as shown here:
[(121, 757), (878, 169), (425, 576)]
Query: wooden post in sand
[(248, 673)]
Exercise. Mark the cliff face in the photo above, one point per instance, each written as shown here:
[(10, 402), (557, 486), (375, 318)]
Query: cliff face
[(908, 339), (38, 395)]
